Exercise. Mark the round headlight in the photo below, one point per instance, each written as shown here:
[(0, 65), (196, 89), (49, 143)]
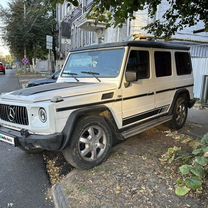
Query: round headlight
[(42, 115)]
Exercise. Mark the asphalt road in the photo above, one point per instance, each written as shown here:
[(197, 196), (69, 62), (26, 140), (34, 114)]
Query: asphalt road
[(23, 179)]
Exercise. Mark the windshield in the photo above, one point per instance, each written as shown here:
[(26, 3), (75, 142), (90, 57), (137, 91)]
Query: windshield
[(102, 63)]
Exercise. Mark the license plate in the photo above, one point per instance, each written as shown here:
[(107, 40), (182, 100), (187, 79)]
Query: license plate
[(7, 139)]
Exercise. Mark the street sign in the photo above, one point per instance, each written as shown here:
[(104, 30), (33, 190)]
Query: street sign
[(25, 61), (49, 42), (49, 46)]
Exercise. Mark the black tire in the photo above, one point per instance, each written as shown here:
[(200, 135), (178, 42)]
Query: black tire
[(91, 143), (30, 151), (180, 113)]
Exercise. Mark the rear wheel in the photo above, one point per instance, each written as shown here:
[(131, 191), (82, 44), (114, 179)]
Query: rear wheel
[(91, 143), (180, 113)]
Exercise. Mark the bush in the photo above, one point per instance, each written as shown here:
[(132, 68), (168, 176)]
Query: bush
[(193, 174)]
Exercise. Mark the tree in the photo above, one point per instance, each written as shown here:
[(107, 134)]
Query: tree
[(181, 13), (28, 28), (8, 59)]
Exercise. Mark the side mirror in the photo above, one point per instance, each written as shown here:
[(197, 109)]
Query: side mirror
[(131, 76)]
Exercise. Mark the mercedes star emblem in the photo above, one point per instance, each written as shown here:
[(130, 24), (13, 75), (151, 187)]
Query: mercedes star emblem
[(11, 114)]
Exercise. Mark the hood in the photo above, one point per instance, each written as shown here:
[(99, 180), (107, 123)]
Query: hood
[(41, 81), (66, 89)]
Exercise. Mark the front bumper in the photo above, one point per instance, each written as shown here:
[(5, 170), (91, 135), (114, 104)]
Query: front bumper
[(33, 141)]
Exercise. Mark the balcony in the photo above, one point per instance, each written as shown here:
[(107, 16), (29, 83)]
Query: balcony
[(89, 24)]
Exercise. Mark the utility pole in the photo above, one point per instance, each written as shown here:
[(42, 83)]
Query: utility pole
[(25, 52)]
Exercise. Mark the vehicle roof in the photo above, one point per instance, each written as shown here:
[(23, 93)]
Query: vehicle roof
[(146, 44)]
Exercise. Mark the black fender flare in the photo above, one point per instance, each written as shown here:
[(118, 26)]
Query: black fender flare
[(179, 93), (77, 114)]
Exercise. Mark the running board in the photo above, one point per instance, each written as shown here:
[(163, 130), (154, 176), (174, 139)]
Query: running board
[(145, 126)]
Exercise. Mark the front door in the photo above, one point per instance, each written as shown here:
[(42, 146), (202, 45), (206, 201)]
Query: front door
[(138, 98)]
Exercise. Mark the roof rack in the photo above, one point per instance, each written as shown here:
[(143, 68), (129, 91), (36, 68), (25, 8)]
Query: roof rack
[(141, 37)]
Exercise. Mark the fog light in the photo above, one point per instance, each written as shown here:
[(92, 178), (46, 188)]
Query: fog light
[(42, 115)]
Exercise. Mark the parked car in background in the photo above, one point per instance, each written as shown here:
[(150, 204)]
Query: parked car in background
[(2, 68), (48, 80)]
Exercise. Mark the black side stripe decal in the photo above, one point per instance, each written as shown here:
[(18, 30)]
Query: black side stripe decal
[(176, 88), (144, 115), (85, 105), (117, 100), (100, 103), (137, 96), (140, 117)]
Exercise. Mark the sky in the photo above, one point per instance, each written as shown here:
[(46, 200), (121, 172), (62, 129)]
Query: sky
[(3, 48)]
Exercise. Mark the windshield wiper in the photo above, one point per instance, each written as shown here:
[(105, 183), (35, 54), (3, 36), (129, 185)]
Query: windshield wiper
[(72, 74), (92, 73)]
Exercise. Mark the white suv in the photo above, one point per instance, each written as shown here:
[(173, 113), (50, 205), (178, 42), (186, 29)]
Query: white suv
[(104, 92)]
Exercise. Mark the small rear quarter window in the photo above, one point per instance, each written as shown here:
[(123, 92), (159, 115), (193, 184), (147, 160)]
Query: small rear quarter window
[(183, 63)]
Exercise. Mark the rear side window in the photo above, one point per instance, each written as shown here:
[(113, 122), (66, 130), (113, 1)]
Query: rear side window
[(139, 63), (183, 63), (163, 63)]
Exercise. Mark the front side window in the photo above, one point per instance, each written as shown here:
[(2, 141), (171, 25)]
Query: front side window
[(102, 63), (183, 63), (163, 63), (139, 62)]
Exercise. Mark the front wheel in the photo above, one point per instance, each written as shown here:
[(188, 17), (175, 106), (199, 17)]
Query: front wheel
[(91, 143), (180, 113)]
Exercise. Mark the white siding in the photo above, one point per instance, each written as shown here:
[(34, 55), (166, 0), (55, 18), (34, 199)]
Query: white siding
[(199, 51), (200, 68)]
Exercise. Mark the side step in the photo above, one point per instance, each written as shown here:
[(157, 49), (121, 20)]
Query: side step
[(145, 126)]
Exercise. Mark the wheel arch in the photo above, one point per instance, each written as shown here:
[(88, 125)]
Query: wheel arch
[(101, 110), (179, 93)]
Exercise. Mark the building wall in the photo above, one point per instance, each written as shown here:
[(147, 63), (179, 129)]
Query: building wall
[(80, 37), (199, 50), (200, 68), (199, 54)]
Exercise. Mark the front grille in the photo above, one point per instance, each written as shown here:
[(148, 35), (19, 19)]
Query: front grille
[(14, 114)]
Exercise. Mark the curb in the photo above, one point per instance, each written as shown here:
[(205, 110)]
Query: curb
[(59, 197)]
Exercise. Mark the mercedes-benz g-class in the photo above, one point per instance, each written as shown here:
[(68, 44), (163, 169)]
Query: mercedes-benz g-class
[(104, 92)]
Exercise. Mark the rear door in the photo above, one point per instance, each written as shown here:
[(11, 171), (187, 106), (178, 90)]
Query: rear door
[(164, 79)]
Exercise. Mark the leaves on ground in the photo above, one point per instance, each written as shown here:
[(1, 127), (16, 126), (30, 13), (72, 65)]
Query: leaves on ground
[(133, 176), (182, 190)]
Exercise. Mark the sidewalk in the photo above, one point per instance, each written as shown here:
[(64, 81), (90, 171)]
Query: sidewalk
[(133, 175), (197, 123), (24, 79)]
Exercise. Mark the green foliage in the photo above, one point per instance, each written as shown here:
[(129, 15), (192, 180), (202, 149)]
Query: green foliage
[(193, 183), (8, 59), (27, 28), (205, 139), (170, 155), (201, 160), (182, 190), (193, 175), (185, 169), (198, 171), (180, 14)]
